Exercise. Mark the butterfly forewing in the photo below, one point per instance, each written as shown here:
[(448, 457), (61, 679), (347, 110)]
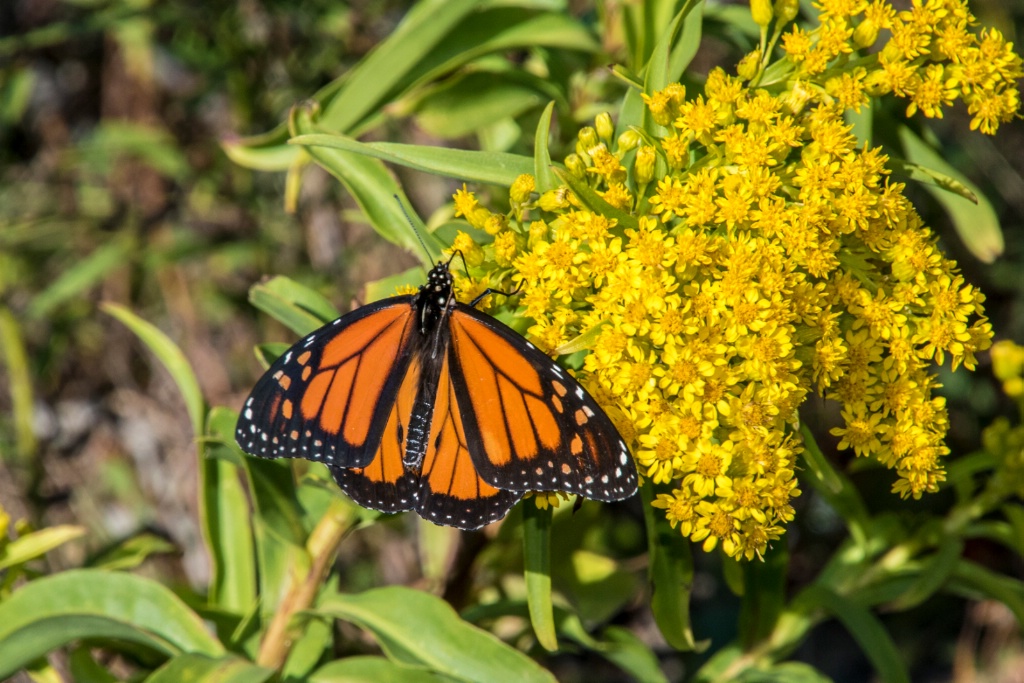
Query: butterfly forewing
[(329, 396), (531, 426)]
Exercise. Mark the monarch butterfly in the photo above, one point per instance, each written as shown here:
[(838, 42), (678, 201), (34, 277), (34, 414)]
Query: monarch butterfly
[(420, 402)]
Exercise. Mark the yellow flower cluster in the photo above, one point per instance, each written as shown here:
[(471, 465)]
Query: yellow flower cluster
[(721, 273), (927, 55)]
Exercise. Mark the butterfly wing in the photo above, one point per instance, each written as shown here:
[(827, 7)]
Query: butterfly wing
[(446, 489), (329, 397), (528, 424)]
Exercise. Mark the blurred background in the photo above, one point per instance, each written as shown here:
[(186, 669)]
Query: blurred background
[(114, 186)]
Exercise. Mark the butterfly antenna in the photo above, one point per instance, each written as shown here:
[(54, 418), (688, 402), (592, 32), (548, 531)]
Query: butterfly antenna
[(412, 225)]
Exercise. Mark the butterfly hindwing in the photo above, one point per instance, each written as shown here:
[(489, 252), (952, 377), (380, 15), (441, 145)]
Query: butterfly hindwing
[(445, 487), (328, 397), (530, 426)]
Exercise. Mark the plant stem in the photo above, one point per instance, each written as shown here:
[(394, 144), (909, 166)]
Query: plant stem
[(322, 546)]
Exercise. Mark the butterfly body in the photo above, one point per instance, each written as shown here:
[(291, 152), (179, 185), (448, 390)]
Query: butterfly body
[(422, 402)]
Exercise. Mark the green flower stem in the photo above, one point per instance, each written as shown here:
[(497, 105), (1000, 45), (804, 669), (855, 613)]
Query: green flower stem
[(322, 546)]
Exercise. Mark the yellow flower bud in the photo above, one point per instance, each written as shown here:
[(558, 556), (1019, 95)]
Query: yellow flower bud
[(469, 249), (521, 188), (576, 166), (627, 141), (506, 246), (539, 231), (495, 223), (796, 98), (605, 127), (643, 167), (761, 11), (786, 10), (588, 138), (552, 200), (865, 34), (747, 68)]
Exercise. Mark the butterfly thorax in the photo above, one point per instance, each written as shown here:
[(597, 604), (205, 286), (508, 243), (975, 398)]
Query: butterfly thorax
[(434, 298)]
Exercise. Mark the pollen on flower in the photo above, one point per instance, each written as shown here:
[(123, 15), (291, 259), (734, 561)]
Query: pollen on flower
[(760, 254)]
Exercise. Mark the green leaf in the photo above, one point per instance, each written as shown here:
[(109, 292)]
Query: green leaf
[(670, 573), (975, 221), (544, 178), (225, 516), (974, 581), (85, 669), (630, 654), (537, 572), (264, 152), (295, 306), (388, 286), (368, 669), (131, 552), (170, 356), (686, 47), (933, 575), (89, 603), (659, 71), (590, 199), (38, 543), (196, 668), (375, 191), (423, 631), (786, 672), (866, 629), (77, 279), (835, 488), (496, 168), (19, 383), (764, 594), (473, 102)]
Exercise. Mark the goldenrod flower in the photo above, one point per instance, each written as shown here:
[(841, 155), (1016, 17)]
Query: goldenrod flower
[(773, 259)]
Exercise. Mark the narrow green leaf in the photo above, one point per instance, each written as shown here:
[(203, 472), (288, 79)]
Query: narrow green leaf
[(294, 305), (77, 279), (38, 543), (537, 571), (423, 28), (196, 668), (474, 102), (929, 176), (367, 669), (423, 631), (131, 552), (544, 178), (265, 152), (89, 603), (670, 573), (974, 581), (496, 168), (933, 575), (226, 520), (976, 222), (630, 654), (19, 383), (170, 356), (835, 488), (658, 73), (375, 190), (388, 286), (866, 629), (84, 668), (589, 197), (764, 594), (686, 47)]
